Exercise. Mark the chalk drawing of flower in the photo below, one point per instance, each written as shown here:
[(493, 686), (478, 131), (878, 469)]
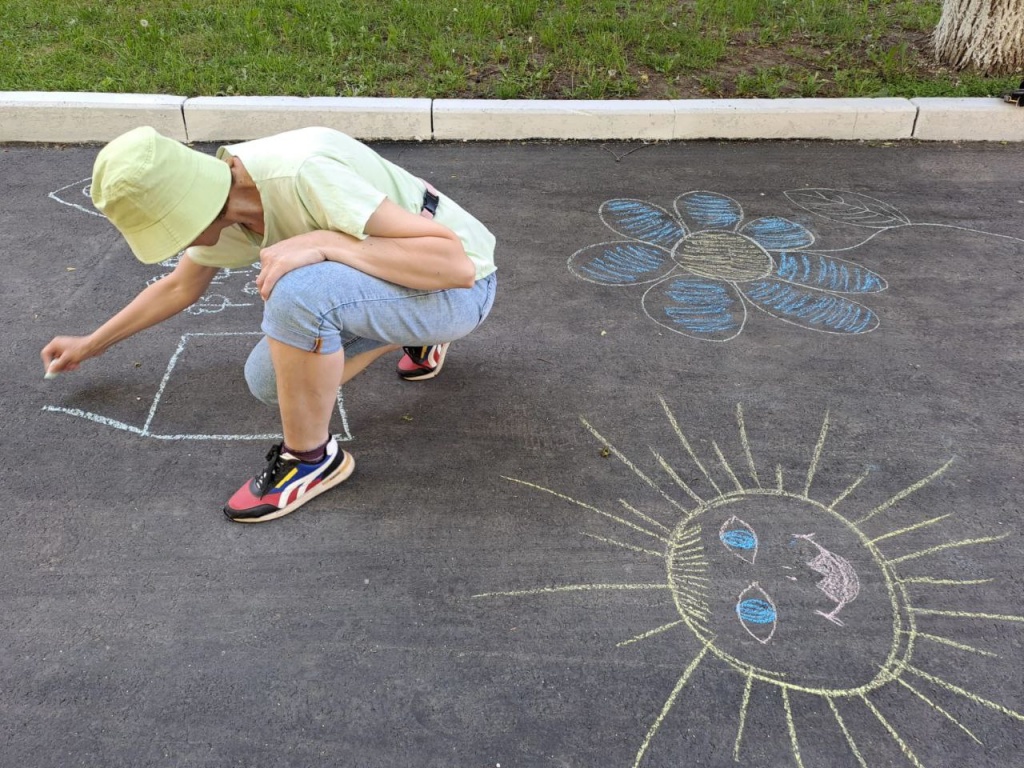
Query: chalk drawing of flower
[(706, 265)]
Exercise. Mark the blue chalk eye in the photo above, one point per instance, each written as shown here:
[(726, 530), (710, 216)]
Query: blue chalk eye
[(739, 538), (757, 613)]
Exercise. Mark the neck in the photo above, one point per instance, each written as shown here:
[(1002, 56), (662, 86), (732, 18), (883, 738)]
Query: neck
[(244, 206)]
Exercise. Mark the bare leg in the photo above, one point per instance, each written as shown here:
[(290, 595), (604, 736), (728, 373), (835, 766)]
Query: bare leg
[(307, 389), (358, 363)]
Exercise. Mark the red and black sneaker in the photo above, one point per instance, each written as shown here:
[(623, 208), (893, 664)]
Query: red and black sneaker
[(287, 483), (422, 363)]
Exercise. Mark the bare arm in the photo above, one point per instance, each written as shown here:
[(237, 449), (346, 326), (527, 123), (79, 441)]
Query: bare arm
[(402, 248), (157, 302)]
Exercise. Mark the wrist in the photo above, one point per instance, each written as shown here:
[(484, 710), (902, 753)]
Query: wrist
[(94, 346)]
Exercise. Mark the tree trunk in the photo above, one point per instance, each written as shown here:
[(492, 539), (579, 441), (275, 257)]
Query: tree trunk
[(985, 34)]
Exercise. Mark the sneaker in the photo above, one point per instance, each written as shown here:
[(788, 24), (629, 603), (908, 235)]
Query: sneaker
[(287, 483), (422, 363)]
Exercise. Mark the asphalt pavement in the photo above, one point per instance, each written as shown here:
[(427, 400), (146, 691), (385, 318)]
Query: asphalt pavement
[(731, 476)]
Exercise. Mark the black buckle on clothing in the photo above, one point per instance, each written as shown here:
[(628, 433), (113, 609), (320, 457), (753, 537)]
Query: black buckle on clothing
[(1015, 96), (430, 202)]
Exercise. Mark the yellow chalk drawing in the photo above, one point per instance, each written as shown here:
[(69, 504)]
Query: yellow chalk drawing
[(744, 705), (709, 546), (792, 728)]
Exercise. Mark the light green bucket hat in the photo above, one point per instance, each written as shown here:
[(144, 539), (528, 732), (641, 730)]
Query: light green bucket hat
[(160, 194)]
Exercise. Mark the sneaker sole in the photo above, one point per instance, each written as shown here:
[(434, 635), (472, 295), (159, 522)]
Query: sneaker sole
[(342, 473), (428, 374)]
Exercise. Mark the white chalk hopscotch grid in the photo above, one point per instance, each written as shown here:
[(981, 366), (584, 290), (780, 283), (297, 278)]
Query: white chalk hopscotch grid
[(144, 430)]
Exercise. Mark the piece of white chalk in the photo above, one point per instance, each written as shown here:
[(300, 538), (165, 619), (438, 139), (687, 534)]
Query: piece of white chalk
[(50, 374)]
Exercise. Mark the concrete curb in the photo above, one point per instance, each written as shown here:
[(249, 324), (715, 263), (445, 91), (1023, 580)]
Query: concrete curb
[(73, 118), (38, 117)]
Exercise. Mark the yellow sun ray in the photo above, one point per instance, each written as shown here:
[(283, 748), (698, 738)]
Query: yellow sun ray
[(947, 545), (696, 618), (943, 582), (846, 733), (744, 705), (700, 558), (680, 684), (691, 564), (904, 493), (635, 469), (817, 455), (659, 555), (686, 444), (965, 693), (695, 605), (849, 489), (601, 512), (687, 550), (694, 597), (676, 478), (746, 445), (966, 614), (904, 747), (644, 517), (695, 587), (910, 528), (572, 588), (690, 537), (778, 476), (938, 709), (952, 643), (725, 464), (650, 633), (792, 728)]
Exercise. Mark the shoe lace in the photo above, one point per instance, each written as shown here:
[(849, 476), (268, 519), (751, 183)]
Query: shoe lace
[(418, 355), (271, 471)]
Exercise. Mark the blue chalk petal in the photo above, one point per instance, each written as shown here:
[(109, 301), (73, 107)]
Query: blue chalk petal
[(808, 308), (621, 263), (709, 210), (700, 309), (828, 273), (774, 233), (642, 221)]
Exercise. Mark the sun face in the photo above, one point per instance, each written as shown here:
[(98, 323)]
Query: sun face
[(777, 586), (786, 568)]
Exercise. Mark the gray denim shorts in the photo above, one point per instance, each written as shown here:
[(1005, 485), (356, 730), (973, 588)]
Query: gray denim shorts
[(329, 306)]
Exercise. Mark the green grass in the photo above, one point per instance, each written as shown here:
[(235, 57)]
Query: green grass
[(480, 49)]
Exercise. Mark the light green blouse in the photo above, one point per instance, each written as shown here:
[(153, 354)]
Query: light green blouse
[(319, 178)]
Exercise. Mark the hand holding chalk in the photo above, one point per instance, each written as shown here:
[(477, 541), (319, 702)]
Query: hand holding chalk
[(64, 354)]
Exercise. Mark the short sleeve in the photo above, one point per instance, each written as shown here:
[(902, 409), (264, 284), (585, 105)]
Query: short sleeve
[(336, 197)]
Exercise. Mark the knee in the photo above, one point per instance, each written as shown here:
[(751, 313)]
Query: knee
[(259, 375)]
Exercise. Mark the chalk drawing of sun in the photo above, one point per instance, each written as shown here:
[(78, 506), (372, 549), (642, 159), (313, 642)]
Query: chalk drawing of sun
[(774, 584)]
